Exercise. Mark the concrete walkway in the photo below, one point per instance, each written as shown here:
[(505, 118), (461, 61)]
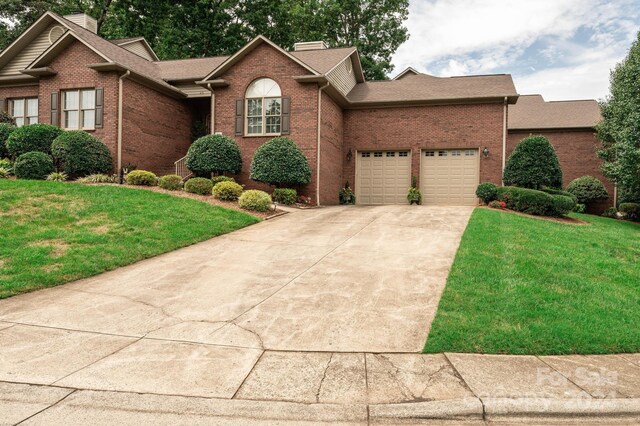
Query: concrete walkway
[(314, 317)]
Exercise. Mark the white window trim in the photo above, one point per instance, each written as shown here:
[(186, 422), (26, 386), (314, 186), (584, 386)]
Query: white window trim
[(80, 110), (264, 117), (25, 110)]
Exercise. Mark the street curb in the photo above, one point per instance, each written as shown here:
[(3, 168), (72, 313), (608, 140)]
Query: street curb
[(554, 407), (453, 409)]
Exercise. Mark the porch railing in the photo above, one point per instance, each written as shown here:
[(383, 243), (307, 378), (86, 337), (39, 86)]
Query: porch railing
[(181, 168)]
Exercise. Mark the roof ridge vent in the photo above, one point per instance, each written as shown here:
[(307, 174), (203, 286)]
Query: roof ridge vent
[(309, 45)]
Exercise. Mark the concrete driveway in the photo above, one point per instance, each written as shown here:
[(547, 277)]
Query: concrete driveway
[(336, 279)]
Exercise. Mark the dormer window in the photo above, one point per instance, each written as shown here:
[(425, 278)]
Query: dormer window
[(263, 108)]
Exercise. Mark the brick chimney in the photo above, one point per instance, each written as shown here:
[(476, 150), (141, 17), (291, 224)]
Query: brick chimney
[(84, 20)]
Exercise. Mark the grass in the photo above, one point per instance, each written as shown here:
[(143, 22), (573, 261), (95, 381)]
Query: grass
[(521, 285), (54, 233)]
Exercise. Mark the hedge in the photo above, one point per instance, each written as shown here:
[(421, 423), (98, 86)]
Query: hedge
[(33, 165), (34, 137), (587, 190), (280, 162), (198, 185), (286, 196), (216, 154), (80, 154), (170, 182), (255, 200), (227, 191), (142, 177), (5, 131), (535, 202), (487, 192)]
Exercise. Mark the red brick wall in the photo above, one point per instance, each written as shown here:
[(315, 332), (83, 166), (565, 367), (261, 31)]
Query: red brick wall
[(265, 61), (156, 128), (73, 73), (427, 127), (7, 93), (331, 157), (576, 152)]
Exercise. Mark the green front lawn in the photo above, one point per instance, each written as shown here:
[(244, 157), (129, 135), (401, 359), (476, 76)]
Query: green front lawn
[(54, 233), (521, 285)]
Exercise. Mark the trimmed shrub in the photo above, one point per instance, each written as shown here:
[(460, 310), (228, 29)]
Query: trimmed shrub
[(588, 189), (222, 178), (170, 182), (280, 162), (57, 177), (198, 185), (34, 137), (611, 212), (227, 191), (142, 177), (5, 131), (255, 200), (535, 202), (487, 192), (216, 154), (631, 211), (286, 196), (6, 118), (99, 178), (33, 165), (559, 192), (79, 154), (533, 164)]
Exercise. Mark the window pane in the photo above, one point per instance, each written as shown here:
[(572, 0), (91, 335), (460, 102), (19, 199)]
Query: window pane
[(33, 119), (32, 107), (71, 119), (263, 87), (273, 124), (19, 121), (71, 100), (88, 99), (88, 119), (254, 107), (254, 125), (273, 106), (18, 108)]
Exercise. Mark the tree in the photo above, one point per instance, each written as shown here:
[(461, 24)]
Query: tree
[(280, 162), (619, 130), (533, 164)]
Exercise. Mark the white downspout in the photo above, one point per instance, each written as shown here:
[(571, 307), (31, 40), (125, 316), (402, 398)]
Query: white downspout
[(504, 138), (318, 144), (213, 110), (120, 84)]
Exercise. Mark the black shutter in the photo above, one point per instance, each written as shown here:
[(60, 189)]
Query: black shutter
[(286, 116), (55, 109), (99, 107), (239, 117)]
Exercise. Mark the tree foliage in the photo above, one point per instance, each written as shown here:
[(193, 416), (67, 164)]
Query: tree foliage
[(619, 130), (195, 28), (533, 164)]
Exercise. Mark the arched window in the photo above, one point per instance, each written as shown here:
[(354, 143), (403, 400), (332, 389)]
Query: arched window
[(264, 108)]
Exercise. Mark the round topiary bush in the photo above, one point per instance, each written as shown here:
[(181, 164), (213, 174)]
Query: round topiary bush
[(487, 192), (588, 189), (142, 177), (80, 154), (216, 154), (533, 164), (33, 165), (280, 162), (217, 179), (170, 182), (255, 200), (286, 196), (201, 186), (34, 137), (227, 191), (5, 131)]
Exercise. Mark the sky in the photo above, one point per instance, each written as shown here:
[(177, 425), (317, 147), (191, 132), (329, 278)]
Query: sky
[(561, 49)]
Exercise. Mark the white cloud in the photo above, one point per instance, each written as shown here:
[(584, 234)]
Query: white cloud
[(560, 48)]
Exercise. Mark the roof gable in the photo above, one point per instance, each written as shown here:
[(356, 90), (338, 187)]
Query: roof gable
[(139, 46), (407, 72)]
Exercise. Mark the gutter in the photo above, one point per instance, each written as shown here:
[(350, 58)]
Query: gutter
[(504, 137), (318, 145), (120, 84)]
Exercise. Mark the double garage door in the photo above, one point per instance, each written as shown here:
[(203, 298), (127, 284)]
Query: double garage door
[(447, 177)]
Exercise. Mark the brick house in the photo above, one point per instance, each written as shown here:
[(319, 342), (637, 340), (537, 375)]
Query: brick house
[(450, 133)]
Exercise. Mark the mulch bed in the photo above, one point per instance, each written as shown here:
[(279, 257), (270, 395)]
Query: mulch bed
[(565, 220)]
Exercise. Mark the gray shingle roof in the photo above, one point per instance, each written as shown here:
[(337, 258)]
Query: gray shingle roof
[(193, 69)]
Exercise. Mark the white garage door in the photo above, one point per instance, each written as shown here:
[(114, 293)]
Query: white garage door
[(449, 177), (383, 177)]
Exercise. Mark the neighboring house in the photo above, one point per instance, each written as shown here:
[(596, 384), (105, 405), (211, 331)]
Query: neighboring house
[(451, 133)]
